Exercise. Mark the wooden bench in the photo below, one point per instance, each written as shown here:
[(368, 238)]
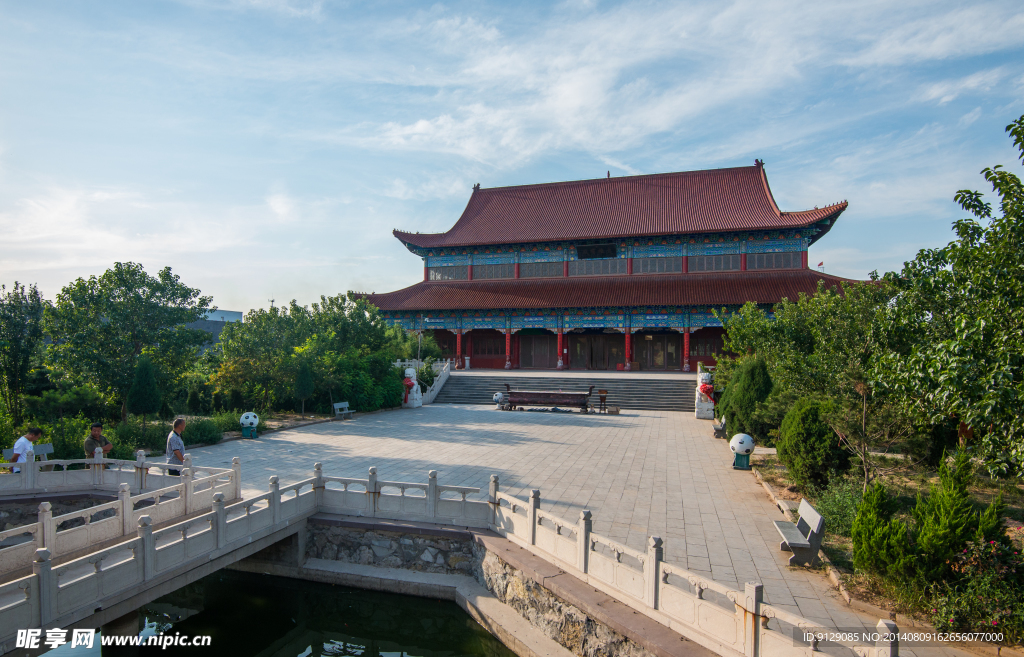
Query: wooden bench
[(341, 410), (39, 449), (804, 538), (580, 400)]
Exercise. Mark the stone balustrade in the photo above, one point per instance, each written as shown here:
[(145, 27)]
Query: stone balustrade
[(728, 622), (142, 488)]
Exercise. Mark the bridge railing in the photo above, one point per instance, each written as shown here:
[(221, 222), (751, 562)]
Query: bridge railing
[(725, 620), (177, 495)]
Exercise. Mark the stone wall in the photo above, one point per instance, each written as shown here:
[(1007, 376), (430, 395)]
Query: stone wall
[(566, 624), (386, 549), (458, 552)]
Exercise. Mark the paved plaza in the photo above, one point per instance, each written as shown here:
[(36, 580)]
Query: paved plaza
[(640, 473)]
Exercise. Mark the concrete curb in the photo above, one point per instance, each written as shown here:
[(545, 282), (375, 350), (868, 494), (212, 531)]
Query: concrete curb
[(830, 569)]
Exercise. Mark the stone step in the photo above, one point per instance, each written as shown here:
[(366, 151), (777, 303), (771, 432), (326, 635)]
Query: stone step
[(637, 394)]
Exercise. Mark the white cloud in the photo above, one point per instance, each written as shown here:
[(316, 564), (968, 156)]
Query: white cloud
[(949, 90)]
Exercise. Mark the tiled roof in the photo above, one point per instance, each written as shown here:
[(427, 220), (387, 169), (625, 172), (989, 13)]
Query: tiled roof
[(589, 291), (714, 200)]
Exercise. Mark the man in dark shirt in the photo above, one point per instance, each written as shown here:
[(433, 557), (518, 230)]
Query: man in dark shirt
[(97, 439)]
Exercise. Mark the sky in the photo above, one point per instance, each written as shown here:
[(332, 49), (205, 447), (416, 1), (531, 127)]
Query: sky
[(265, 149)]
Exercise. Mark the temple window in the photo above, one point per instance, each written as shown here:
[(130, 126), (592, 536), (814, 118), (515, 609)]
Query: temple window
[(494, 271), (488, 346), (714, 263), (787, 260), (460, 273), (540, 270), (602, 267), (657, 265), (595, 251)]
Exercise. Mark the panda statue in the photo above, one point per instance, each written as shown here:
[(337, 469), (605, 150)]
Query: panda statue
[(499, 399), (742, 446)]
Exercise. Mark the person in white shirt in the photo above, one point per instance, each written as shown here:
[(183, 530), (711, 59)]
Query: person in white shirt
[(23, 445)]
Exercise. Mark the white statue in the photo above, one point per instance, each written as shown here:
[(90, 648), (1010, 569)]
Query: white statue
[(413, 395)]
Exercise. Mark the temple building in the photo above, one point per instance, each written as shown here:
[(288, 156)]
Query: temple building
[(613, 273)]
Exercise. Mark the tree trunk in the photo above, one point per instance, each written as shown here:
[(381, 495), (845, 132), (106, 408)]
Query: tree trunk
[(303, 412), (124, 409)]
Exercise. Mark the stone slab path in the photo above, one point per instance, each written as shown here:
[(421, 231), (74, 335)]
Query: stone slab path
[(641, 473)]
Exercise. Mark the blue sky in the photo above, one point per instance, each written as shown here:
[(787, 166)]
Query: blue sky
[(265, 149)]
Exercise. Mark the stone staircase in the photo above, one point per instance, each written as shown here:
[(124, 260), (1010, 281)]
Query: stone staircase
[(629, 393)]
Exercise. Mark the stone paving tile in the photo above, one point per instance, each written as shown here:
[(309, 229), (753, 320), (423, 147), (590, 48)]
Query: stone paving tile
[(640, 473)]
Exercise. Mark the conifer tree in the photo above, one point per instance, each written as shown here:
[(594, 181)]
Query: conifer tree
[(144, 395)]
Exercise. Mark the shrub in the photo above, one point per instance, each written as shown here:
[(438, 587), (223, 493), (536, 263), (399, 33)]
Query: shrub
[(988, 595), (838, 504), (205, 432), (946, 521), (749, 386), (130, 436), (881, 545), (808, 446), (426, 375)]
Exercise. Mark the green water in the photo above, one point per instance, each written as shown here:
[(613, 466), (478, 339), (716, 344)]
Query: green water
[(259, 615)]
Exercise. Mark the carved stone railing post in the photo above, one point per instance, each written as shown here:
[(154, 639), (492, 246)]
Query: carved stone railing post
[(236, 466), (28, 469), (888, 643), (583, 528), (492, 498), (186, 488), (753, 595), (652, 571), (432, 494), (46, 535), (371, 492), (148, 552), (318, 484), (97, 466), (41, 568), (220, 519), (532, 514), (140, 471), (186, 461), (275, 499), (124, 496)]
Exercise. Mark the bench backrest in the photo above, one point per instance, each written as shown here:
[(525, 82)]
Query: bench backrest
[(341, 406), (811, 524), (41, 449)]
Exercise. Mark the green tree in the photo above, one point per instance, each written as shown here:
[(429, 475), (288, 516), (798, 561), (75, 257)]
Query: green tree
[(303, 384), (956, 327), (21, 334), (101, 325), (808, 446), (144, 395), (749, 386)]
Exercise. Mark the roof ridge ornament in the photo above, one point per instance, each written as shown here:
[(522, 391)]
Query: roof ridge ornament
[(759, 163), (476, 187)]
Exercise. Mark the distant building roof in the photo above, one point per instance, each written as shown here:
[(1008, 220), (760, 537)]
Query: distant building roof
[(224, 315), (714, 200), (766, 286)]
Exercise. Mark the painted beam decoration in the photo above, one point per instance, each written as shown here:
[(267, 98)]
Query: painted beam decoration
[(594, 318), (483, 320), (534, 319)]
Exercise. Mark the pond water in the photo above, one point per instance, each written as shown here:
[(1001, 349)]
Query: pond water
[(260, 615)]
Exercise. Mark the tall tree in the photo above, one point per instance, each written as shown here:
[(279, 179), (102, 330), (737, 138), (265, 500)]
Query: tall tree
[(144, 395), (21, 334), (101, 325), (303, 384), (956, 326)]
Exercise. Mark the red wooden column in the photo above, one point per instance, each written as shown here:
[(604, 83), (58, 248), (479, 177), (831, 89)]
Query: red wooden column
[(469, 270), (508, 347), (459, 363), (517, 270), (743, 262), (561, 364), (803, 259), (629, 266), (686, 349), (686, 265), (426, 271), (565, 268), (629, 351)]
